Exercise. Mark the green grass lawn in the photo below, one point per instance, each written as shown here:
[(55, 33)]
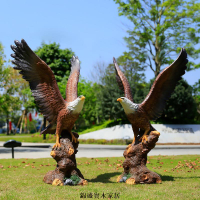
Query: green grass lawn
[(37, 138), (22, 179)]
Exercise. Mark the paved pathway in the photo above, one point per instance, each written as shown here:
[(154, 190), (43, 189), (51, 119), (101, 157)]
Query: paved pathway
[(91, 150)]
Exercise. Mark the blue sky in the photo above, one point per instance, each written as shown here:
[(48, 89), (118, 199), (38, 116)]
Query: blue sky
[(91, 28)]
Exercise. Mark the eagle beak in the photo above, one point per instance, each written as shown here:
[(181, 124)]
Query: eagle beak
[(119, 99), (82, 98)]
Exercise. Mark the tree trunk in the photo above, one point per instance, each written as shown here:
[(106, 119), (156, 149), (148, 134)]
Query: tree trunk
[(21, 126), (44, 126), (66, 162), (7, 122), (135, 170), (25, 121), (18, 123)]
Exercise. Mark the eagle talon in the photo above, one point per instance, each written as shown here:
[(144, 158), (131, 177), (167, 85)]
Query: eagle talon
[(74, 139), (130, 181), (144, 139), (56, 146)]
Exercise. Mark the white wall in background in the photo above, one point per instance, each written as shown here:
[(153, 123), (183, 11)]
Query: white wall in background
[(189, 133)]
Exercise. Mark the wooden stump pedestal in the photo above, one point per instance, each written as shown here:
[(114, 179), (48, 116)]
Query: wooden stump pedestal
[(66, 162), (135, 170)]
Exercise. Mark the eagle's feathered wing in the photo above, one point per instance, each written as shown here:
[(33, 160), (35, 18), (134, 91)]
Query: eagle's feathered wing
[(41, 80), (72, 83), (163, 86), (122, 81)]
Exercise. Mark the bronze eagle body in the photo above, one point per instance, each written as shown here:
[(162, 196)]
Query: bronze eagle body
[(153, 105), (60, 114)]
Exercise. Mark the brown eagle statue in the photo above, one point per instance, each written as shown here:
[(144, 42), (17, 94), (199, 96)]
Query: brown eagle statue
[(153, 105), (61, 114)]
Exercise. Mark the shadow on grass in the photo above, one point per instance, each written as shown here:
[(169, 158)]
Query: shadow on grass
[(104, 178), (171, 178), (190, 177), (166, 178)]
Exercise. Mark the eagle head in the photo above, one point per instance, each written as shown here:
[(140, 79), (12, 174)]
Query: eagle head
[(128, 105), (77, 105)]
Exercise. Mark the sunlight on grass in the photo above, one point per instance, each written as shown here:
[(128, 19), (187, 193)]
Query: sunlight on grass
[(22, 179)]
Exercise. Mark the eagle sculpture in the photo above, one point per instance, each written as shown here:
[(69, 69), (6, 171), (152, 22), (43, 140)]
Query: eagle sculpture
[(61, 114), (153, 105)]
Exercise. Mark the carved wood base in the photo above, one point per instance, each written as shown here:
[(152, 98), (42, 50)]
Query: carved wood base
[(135, 170), (66, 162)]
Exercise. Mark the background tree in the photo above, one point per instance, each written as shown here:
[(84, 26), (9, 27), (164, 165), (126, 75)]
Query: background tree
[(1, 66), (109, 94), (181, 107), (88, 114), (28, 103), (196, 96), (97, 89), (98, 72), (58, 59), (109, 89), (134, 72), (10, 103), (160, 29)]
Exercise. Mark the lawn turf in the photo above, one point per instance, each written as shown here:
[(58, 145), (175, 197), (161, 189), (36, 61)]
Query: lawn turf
[(22, 179)]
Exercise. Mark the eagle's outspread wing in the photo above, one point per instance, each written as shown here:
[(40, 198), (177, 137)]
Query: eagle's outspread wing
[(122, 81), (163, 86), (71, 89), (41, 80)]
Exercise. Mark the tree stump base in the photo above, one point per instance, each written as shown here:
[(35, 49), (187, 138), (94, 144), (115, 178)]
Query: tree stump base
[(135, 170), (66, 163)]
